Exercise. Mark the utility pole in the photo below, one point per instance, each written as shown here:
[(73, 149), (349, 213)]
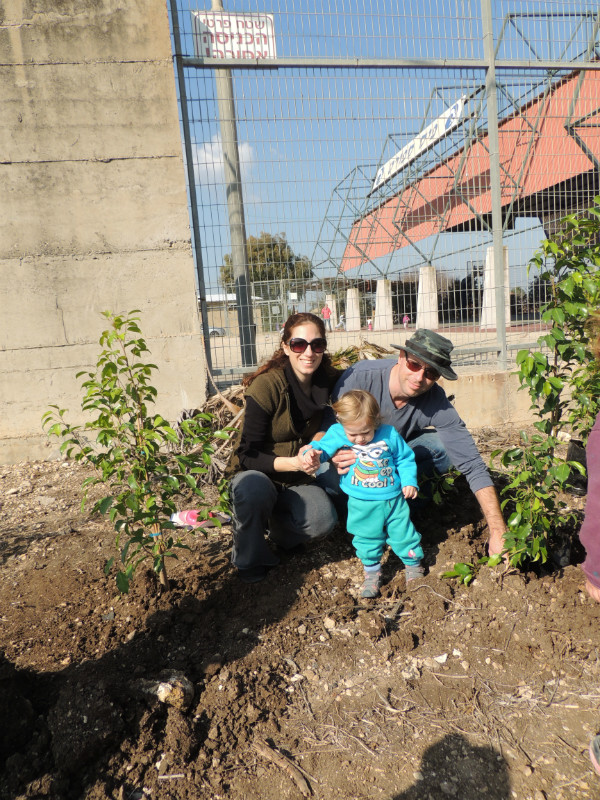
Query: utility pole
[(235, 207), (495, 180)]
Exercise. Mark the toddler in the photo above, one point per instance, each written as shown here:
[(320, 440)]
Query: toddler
[(378, 484)]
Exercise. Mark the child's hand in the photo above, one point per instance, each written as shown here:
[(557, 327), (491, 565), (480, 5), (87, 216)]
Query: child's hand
[(409, 492)]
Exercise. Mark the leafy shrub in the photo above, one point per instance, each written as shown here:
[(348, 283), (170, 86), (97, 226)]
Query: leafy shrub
[(129, 449), (563, 382)]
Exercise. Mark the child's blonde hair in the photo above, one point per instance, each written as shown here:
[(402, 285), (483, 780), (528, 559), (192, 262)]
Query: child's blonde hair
[(356, 405)]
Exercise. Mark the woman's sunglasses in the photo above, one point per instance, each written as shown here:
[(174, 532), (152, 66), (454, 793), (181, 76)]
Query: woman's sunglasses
[(297, 345), (430, 373)]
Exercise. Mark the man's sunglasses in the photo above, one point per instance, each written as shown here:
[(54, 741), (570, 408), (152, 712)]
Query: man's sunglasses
[(430, 373), (297, 345)]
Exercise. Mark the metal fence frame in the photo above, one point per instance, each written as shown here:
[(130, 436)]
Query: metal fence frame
[(492, 66)]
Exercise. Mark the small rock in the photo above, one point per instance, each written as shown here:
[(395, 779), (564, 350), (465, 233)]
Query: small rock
[(329, 623), (448, 788), (173, 689)]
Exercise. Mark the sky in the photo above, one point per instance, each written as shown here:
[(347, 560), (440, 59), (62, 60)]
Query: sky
[(311, 139)]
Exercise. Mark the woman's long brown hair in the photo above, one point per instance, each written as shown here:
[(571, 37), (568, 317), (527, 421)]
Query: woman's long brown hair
[(279, 359)]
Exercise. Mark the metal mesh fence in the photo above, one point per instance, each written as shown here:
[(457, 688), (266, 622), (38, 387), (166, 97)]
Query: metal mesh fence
[(399, 164)]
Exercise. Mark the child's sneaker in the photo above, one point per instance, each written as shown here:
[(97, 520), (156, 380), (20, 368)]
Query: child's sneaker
[(413, 571), (370, 587)]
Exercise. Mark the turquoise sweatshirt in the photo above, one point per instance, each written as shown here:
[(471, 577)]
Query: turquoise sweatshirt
[(382, 467)]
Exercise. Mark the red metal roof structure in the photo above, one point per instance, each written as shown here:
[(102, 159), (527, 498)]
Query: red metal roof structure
[(549, 164)]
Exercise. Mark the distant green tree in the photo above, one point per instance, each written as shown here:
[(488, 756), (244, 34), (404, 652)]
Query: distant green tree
[(270, 258)]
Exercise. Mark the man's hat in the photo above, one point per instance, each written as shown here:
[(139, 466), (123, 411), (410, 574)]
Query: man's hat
[(433, 349)]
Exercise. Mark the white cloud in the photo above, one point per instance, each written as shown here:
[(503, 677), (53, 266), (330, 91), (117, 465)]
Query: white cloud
[(208, 162)]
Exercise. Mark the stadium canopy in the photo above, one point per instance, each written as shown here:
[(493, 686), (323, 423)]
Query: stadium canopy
[(549, 165)]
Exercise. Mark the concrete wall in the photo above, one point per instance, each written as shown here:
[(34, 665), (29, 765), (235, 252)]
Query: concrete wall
[(93, 207), (490, 400)]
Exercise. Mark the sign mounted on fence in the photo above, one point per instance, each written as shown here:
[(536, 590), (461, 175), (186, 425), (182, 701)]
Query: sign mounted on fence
[(218, 34), (439, 128)]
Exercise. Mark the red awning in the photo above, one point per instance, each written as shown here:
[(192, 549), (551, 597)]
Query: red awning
[(537, 152)]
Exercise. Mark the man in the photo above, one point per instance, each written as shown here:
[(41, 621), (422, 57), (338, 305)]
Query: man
[(326, 314), (411, 401)]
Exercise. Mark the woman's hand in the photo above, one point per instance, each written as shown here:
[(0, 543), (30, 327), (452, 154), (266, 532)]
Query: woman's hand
[(310, 460), (306, 461)]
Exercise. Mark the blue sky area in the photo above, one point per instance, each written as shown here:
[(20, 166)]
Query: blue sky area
[(311, 139)]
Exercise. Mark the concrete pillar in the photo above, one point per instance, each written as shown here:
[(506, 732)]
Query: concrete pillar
[(488, 303), (427, 299), (352, 310), (383, 319), (331, 302)]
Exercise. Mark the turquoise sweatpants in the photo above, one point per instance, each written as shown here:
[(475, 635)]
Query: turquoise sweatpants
[(375, 523)]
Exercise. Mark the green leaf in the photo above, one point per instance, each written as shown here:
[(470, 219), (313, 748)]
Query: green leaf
[(122, 582), (562, 472), (104, 504)]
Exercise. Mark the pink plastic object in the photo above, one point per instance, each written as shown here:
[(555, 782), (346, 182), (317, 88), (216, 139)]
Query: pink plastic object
[(187, 518)]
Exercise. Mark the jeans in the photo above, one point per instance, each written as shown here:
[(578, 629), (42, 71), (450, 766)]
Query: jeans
[(430, 454), (288, 515)]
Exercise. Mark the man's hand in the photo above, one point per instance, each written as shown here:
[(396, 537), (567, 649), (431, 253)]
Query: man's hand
[(488, 500), (593, 591), (343, 460), (409, 492)]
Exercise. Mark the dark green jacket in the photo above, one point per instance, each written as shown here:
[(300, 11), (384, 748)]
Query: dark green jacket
[(272, 392)]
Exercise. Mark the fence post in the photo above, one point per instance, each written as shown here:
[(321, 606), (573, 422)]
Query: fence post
[(235, 207), (495, 179)]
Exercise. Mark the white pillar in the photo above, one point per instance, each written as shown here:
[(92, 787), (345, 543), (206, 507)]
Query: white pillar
[(352, 310), (384, 320), (427, 299), (488, 303), (330, 301)]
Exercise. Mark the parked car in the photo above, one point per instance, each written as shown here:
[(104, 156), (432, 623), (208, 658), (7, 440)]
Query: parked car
[(216, 331)]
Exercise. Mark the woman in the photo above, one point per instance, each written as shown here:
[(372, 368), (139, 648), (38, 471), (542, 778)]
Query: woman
[(273, 492)]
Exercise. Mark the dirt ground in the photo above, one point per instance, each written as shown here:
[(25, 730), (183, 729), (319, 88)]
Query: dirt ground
[(293, 687)]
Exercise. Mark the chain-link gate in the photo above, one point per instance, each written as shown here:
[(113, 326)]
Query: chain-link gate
[(397, 162)]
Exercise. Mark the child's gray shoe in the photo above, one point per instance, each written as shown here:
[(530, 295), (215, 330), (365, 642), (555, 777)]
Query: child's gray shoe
[(372, 582), (413, 571)]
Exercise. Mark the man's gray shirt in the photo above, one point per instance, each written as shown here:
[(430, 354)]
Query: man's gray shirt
[(430, 409)]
